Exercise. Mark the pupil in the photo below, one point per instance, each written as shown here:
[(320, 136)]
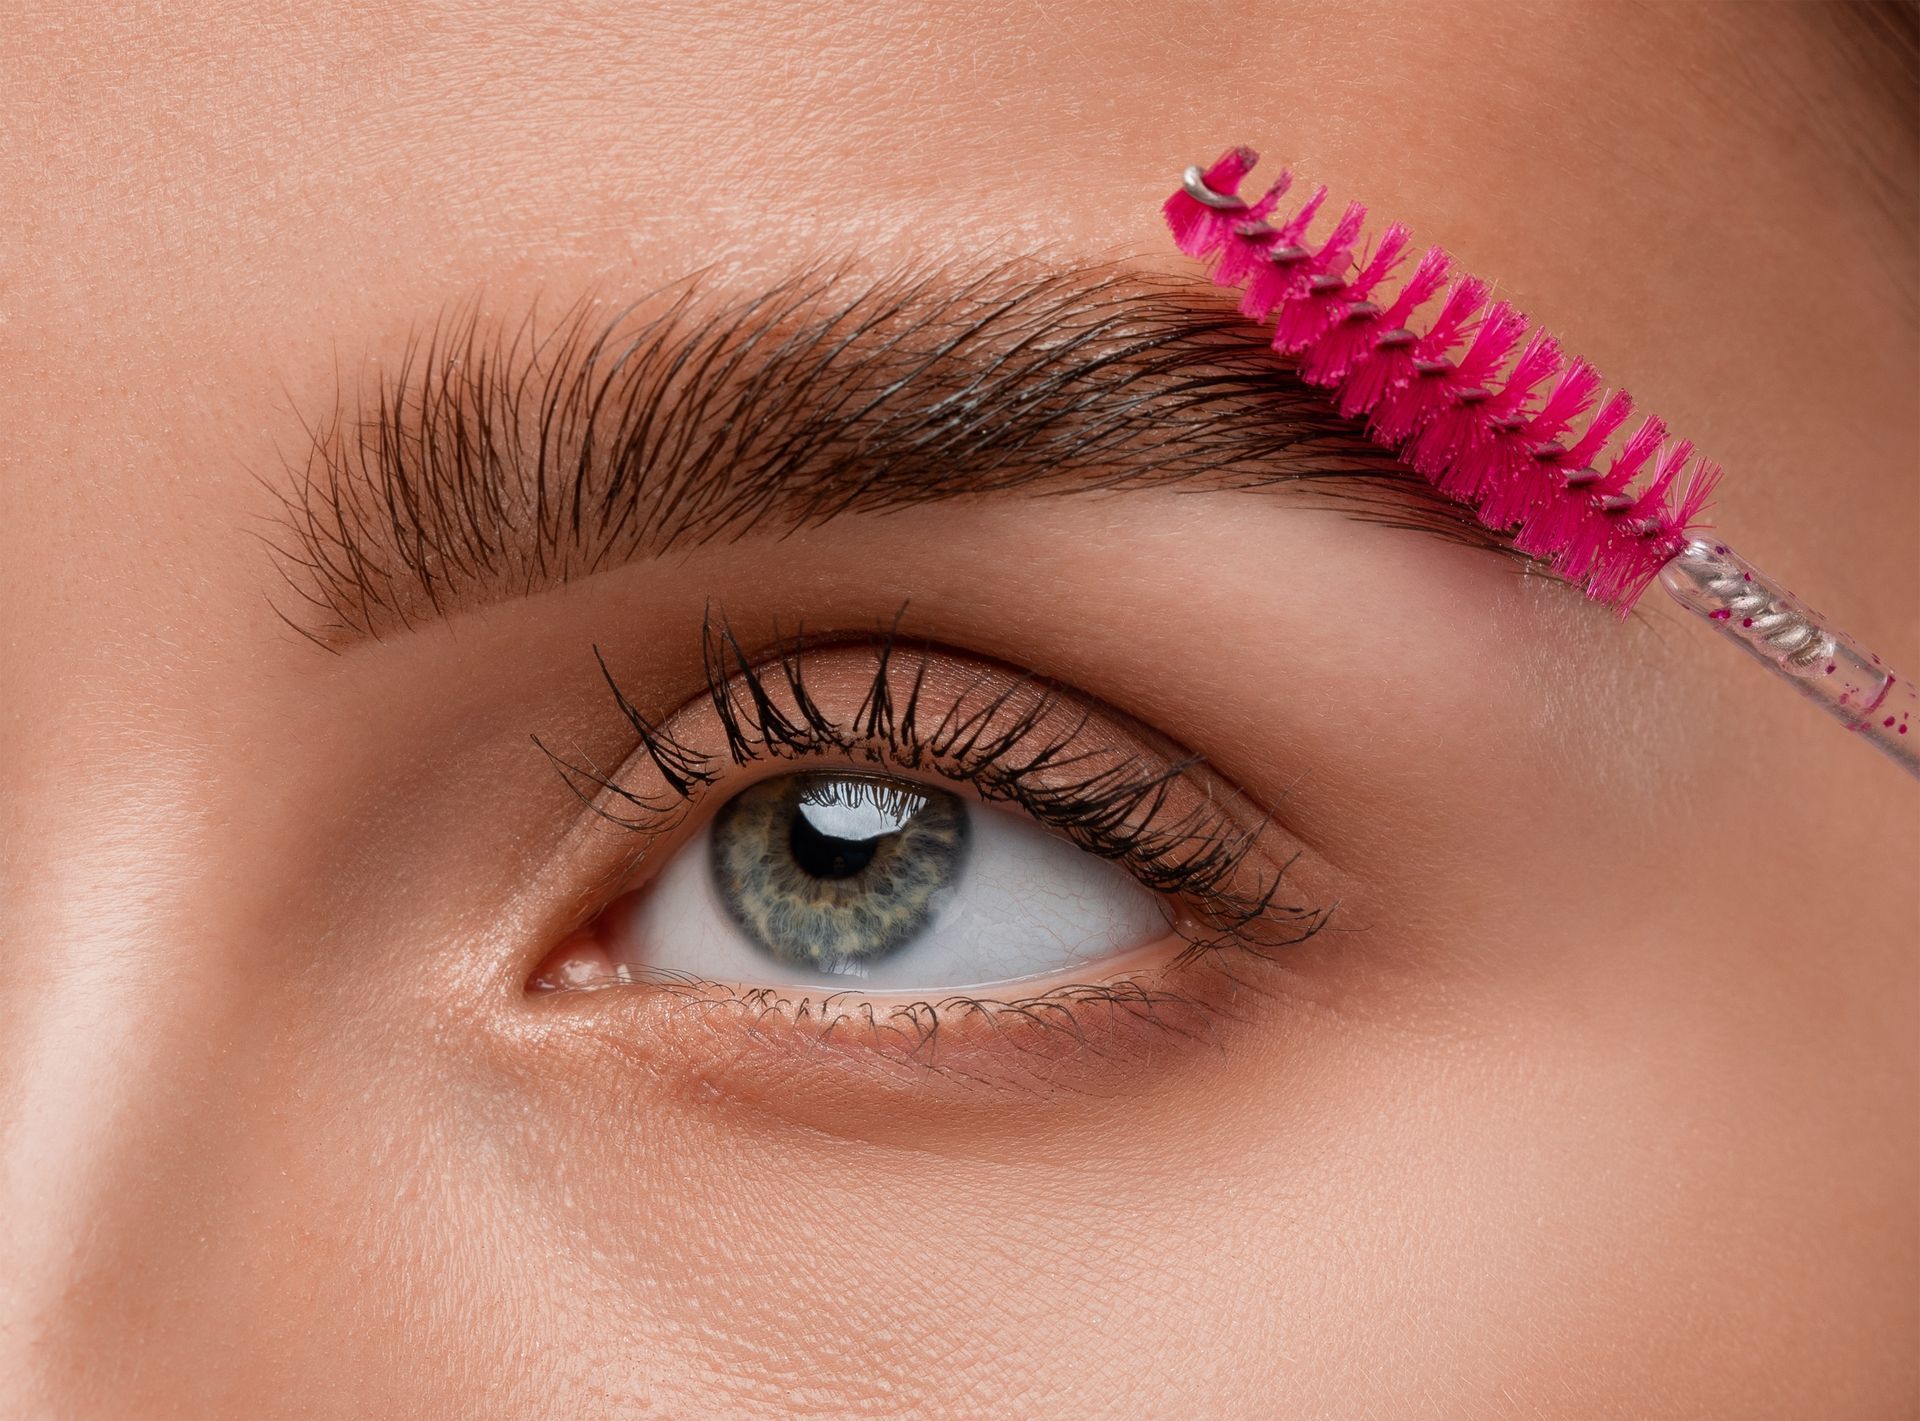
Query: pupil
[(823, 856)]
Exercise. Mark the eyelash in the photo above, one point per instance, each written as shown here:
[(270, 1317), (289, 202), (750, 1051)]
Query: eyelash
[(1007, 748)]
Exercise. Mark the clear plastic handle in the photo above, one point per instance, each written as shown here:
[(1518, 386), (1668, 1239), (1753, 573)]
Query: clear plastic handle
[(1796, 644)]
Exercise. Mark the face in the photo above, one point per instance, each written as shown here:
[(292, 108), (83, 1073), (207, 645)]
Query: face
[(682, 929)]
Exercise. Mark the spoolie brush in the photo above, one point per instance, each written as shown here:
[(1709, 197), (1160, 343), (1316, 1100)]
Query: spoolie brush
[(1486, 412)]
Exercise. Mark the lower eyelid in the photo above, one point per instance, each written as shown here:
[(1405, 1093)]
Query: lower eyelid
[(800, 1051), (870, 1067), (830, 1058)]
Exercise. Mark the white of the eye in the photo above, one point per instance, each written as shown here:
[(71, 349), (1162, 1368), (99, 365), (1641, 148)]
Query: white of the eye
[(1026, 904)]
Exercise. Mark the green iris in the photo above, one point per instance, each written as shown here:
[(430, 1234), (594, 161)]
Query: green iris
[(833, 871)]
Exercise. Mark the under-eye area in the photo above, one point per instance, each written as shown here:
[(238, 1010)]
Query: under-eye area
[(899, 846)]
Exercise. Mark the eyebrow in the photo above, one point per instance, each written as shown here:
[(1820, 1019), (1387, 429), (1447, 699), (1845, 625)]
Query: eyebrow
[(497, 459)]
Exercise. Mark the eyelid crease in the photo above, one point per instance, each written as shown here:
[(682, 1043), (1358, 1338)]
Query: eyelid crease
[(498, 459)]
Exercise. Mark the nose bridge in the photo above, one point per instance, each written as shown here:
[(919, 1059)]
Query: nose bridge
[(123, 1030)]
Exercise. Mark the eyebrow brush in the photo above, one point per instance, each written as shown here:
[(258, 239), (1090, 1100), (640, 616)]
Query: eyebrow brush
[(1485, 411)]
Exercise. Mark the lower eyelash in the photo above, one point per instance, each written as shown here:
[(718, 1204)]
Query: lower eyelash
[(969, 1039), (1022, 743)]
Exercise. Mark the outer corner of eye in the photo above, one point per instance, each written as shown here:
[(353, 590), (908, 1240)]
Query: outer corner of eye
[(848, 881)]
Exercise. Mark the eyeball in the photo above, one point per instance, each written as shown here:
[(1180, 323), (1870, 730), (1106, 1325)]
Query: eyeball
[(862, 882)]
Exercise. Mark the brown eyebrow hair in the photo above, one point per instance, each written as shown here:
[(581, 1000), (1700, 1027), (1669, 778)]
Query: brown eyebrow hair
[(497, 459)]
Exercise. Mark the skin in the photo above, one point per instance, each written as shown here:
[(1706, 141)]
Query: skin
[(1605, 1105)]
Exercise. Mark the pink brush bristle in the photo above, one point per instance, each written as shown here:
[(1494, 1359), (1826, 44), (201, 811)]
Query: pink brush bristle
[(1348, 315), (1200, 230), (1496, 463), (1453, 400), (1522, 470), (1594, 544), (1387, 361), (1237, 260), (1284, 266), (1551, 522), (1451, 445), (1427, 391), (1685, 514), (1322, 296)]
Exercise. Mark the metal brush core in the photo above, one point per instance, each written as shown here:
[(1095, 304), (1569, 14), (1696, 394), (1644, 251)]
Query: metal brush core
[(1196, 185), (1754, 611)]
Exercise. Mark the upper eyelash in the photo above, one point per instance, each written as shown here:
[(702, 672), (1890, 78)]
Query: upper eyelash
[(1115, 810)]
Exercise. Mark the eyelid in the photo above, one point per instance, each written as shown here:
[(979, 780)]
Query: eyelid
[(1114, 788), (772, 713)]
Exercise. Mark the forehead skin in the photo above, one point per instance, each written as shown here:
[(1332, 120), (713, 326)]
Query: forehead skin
[(206, 217)]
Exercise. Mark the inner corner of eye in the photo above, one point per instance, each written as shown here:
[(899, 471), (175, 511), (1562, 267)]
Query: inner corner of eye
[(857, 881)]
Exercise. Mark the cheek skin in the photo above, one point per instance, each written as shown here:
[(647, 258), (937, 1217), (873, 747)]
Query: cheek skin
[(1609, 1111)]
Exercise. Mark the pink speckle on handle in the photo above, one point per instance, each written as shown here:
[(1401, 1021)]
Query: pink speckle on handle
[(1829, 668), (1746, 577), (1903, 730), (1720, 614), (1746, 621), (1887, 721)]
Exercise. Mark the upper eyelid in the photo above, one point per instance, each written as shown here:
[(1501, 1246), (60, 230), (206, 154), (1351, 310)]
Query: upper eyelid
[(1209, 854), (498, 459)]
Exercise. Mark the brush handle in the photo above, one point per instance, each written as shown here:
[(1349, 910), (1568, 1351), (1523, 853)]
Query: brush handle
[(1796, 644)]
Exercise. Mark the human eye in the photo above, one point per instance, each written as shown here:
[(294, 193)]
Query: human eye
[(887, 840), (849, 880)]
